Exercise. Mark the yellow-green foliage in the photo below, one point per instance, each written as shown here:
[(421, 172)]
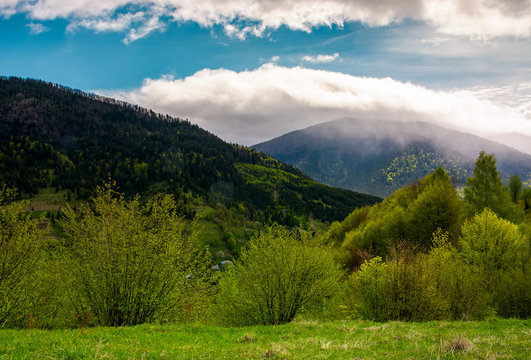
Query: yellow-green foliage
[(500, 253), (402, 288), (459, 287), (368, 288), (407, 166), (261, 174), (463, 271), (415, 287), (21, 258), (411, 214), (488, 272), (492, 244), (131, 262), (279, 274)]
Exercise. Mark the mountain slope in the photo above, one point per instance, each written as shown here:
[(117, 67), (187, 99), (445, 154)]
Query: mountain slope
[(51, 136), (379, 157)]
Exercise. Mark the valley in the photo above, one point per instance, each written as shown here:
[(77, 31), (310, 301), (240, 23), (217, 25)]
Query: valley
[(114, 216), (264, 179)]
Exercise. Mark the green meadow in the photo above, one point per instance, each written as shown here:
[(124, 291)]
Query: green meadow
[(493, 338)]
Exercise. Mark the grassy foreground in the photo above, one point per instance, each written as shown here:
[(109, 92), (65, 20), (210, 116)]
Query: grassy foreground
[(490, 339)]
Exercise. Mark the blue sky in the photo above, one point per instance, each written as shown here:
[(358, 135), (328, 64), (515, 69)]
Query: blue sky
[(267, 67)]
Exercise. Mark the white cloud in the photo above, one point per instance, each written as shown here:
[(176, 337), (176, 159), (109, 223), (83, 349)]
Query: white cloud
[(275, 59), (320, 59), (252, 106), (37, 28), (119, 23), (481, 19), (8, 7), (516, 96), (137, 24), (152, 22)]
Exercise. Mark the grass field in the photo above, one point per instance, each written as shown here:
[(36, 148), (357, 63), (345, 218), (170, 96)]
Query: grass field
[(48, 200), (489, 339)]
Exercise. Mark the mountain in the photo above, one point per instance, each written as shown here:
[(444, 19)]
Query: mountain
[(68, 140), (379, 157)]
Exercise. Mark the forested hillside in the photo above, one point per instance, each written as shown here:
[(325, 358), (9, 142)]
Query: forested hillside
[(379, 157), (55, 137)]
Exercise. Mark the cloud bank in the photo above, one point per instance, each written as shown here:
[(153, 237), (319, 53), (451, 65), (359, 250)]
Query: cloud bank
[(252, 106), (481, 19)]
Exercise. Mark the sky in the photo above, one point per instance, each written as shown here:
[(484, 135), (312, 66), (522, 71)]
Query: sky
[(251, 70)]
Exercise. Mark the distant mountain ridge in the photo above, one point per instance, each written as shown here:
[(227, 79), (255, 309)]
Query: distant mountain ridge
[(379, 157), (51, 136)]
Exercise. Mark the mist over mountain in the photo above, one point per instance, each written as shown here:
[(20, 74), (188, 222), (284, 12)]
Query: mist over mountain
[(379, 157), (518, 141), (55, 137)]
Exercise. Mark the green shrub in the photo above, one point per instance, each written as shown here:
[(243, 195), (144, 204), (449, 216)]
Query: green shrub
[(492, 245), (416, 287), (277, 275), (461, 288), (369, 290), (400, 289), (411, 291), (513, 294), (130, 262), (51, 307), (21, 258)]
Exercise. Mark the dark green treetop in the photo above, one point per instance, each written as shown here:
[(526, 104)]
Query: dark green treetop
[(485, 189), (515, 187)]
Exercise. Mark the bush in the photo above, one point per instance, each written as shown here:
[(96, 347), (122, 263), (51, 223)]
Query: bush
[(130, 262), (497, 253), (418, 287), (492, 245), (400, 289), (412, 293), (513, 294), (20, 260), (459, 285), (368, 288), (278, 274)]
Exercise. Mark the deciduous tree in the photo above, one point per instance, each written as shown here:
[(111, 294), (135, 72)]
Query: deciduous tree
[(485, 189), (515, 187)]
